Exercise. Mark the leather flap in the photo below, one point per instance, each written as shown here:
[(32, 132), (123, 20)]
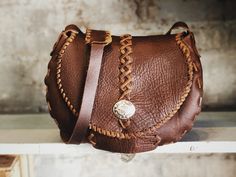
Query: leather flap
[(161, 81)]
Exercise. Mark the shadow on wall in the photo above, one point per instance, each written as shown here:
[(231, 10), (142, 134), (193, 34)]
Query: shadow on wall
[(31, 27)]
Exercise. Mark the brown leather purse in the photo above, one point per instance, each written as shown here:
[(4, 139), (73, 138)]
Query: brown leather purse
[(125, 93)]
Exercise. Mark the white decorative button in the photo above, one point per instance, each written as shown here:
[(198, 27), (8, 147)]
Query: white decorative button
[(124, 109)]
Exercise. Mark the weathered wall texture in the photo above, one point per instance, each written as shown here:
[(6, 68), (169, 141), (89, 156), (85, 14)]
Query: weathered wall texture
[(145, 165), (30, 27)]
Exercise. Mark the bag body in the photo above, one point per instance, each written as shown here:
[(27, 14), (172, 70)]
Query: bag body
[(125, 93)]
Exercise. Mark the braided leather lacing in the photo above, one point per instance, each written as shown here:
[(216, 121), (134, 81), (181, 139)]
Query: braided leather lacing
[(125, 68)]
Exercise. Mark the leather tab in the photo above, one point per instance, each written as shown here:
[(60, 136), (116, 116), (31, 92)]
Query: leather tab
[(98, 40), (98, 37)]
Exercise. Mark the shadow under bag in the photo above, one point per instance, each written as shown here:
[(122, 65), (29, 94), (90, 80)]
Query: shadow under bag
[(124, 93)]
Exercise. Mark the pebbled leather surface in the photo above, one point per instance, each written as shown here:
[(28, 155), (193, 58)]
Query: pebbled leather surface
[(159, 78)]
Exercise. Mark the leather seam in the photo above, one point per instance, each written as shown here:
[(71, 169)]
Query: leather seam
[(69, 40), (125, 68)]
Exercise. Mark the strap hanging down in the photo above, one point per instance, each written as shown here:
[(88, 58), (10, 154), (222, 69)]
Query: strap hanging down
[(98, 40)]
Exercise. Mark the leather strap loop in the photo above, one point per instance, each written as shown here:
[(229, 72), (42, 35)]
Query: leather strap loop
[(178, 25), (91, 82)]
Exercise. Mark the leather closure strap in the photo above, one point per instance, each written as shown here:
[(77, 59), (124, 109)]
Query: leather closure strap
[(98, 40)]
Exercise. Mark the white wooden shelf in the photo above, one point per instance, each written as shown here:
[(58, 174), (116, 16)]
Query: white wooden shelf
[(214, 132)]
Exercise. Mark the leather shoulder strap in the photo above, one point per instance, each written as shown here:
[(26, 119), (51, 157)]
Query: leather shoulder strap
[(98, 40), (178, 25)]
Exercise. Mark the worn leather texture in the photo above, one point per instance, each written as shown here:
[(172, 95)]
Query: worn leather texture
[(167, 89)]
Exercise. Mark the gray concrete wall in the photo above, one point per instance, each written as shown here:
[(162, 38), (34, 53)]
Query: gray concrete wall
[(30, 27)]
